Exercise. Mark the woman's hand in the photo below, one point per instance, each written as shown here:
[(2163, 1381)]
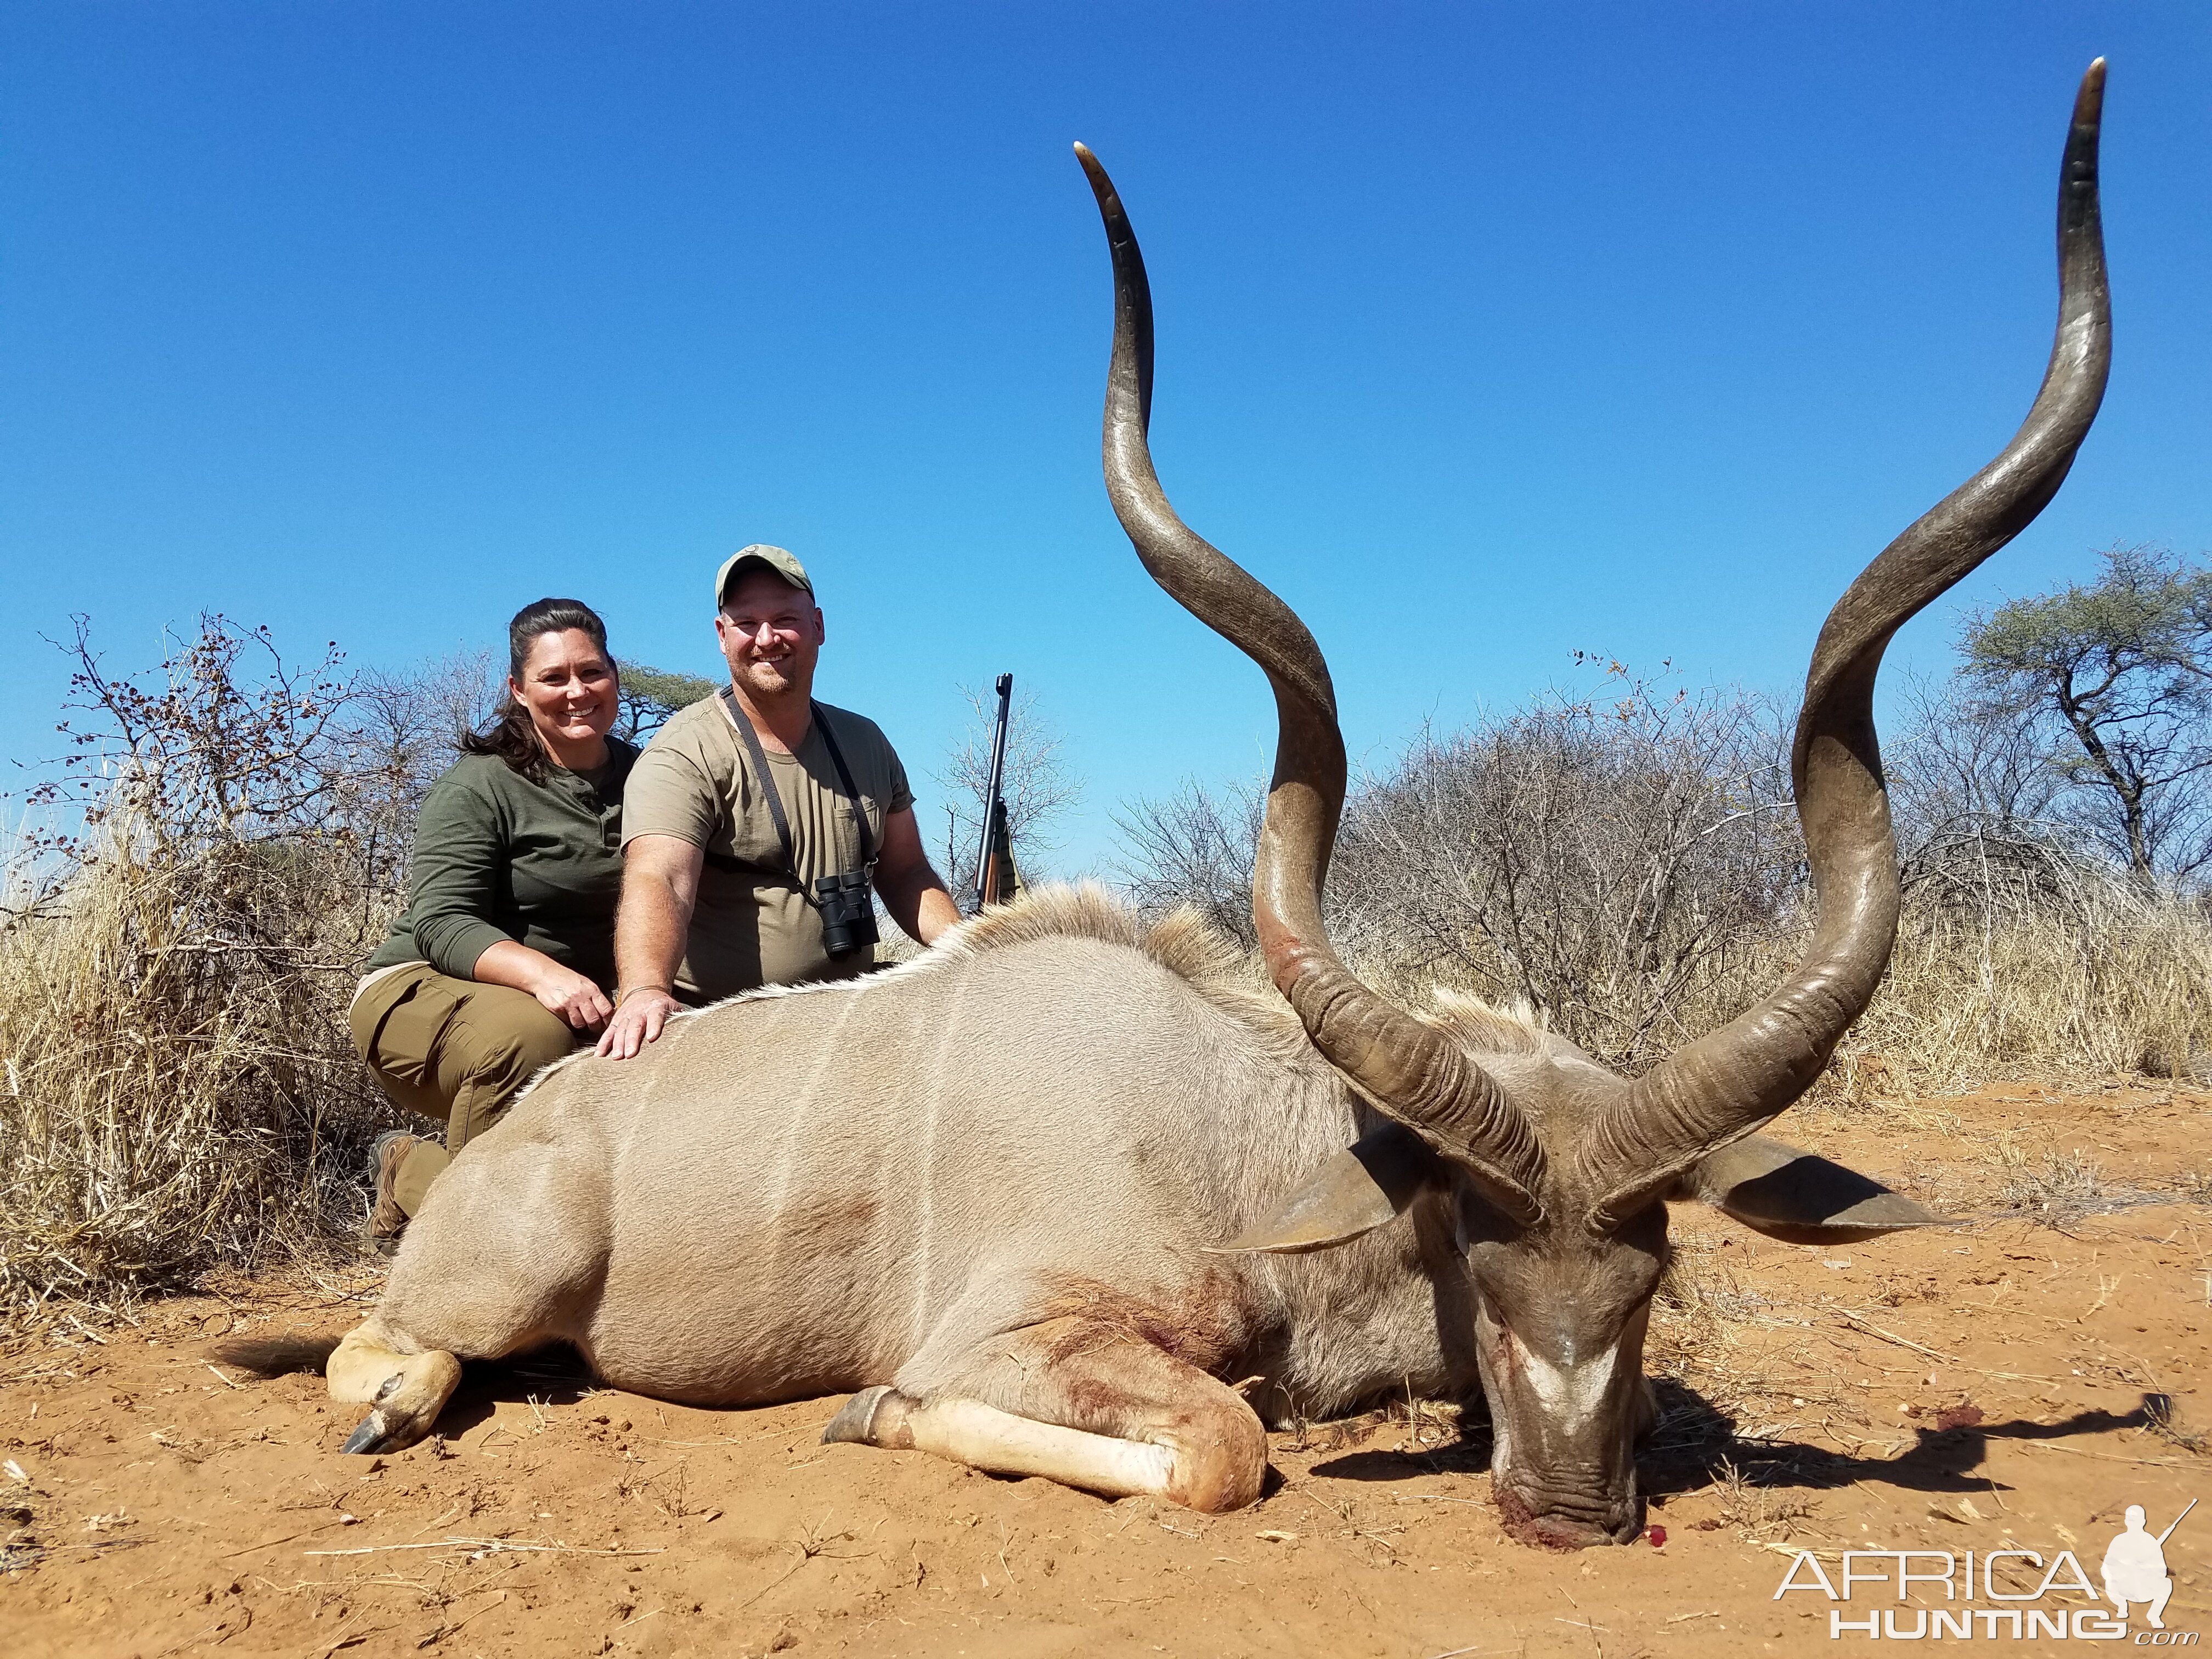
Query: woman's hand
[(638, 1019), (559, 990), (565, 991)]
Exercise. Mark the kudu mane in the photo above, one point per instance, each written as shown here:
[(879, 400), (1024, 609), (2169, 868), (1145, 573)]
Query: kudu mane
[(1182, 941), (1233, 980)]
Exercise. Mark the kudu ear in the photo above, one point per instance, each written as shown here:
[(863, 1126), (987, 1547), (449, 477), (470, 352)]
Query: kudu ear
[(1357, 1191), (1799, 1198)]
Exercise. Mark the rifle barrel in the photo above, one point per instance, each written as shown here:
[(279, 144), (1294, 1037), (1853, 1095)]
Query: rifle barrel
[(2177, 1520), (986, 862)]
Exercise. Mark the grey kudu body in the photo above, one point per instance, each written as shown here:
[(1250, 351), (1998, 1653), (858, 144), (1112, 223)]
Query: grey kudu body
[(989, 1190)]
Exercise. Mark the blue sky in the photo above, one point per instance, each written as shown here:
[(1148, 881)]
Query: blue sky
[(1485, 333)]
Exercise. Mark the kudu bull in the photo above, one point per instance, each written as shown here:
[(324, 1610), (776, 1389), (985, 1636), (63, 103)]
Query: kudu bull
[(991, 1188)]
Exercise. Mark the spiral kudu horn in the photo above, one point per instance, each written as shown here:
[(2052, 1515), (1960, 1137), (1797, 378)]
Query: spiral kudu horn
[(1727, 1084), (1409, 1070)]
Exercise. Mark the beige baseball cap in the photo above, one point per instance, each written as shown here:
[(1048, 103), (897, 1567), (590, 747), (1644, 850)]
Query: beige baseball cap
[(775, 558)]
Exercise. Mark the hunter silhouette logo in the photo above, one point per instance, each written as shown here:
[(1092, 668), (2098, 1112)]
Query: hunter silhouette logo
[(2134, 1566), (2006, 1594)]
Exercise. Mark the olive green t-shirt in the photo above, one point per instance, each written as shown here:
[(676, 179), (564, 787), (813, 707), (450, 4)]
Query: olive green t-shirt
[(750, 925), (502, 856)]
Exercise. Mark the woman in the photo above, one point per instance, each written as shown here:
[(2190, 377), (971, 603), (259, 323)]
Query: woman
[(504, 958)]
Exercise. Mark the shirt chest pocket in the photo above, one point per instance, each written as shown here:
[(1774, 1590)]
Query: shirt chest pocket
[(855, 821), (841, 838)]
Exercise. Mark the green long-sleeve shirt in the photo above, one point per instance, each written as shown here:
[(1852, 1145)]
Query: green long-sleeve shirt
[(499, 857)]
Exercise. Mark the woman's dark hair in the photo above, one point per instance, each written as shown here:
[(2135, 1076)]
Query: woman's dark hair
[(509, 733)]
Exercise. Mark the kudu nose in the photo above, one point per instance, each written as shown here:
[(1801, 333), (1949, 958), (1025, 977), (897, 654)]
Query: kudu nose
[(1553, 1521)]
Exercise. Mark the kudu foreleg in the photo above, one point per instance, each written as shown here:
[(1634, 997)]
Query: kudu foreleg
[(408, 1388), (984, 1438), (1087, 1404), (505, 1256)]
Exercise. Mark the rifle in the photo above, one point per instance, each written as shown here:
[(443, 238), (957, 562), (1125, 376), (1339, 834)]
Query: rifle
[(994, 864), (2177, 1520)]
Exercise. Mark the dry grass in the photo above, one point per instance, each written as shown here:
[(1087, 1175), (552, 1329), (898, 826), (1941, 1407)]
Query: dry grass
[(2111, 981), (2116, 984), (2159, 1411), (2058, 1188), (180, 1089), (1699, 1296), (1747, 1502), (1699, 1316)]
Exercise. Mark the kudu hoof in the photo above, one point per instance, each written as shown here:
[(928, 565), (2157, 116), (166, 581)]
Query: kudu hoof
[(856, 1423), (406, 1405), (372, 1437)]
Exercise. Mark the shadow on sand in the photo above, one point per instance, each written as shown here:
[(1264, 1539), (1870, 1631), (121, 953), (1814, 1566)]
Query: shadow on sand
[(554, 1376), (1693, 1443)]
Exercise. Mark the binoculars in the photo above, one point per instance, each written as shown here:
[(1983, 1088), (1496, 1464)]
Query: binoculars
[(848, 905)]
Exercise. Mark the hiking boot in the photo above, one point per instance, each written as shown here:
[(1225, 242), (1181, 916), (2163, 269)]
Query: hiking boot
[(386, 1221)]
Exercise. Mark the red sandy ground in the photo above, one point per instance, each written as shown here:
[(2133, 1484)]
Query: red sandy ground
[(167, 1505)]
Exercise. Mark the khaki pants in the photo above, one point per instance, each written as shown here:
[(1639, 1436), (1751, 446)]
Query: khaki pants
[(451, 1048)]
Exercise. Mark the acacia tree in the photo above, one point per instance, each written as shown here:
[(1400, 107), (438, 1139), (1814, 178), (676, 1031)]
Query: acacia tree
[(650, 696), (2115, 681)]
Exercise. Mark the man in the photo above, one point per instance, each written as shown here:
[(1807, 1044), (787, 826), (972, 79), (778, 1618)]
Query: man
[(721, 876), (2134, 1568)]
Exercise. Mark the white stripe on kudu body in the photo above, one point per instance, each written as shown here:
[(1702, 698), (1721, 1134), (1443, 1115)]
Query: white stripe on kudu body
[(1006, 1178)]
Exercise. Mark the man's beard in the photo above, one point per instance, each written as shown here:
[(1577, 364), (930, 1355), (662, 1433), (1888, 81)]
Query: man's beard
[(770, 682)]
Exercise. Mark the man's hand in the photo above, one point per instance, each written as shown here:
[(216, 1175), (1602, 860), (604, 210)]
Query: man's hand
[(660, 880), (637, 1022)]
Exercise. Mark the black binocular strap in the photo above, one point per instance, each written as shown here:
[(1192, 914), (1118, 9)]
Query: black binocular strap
[(775, 801), (852, 793)]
